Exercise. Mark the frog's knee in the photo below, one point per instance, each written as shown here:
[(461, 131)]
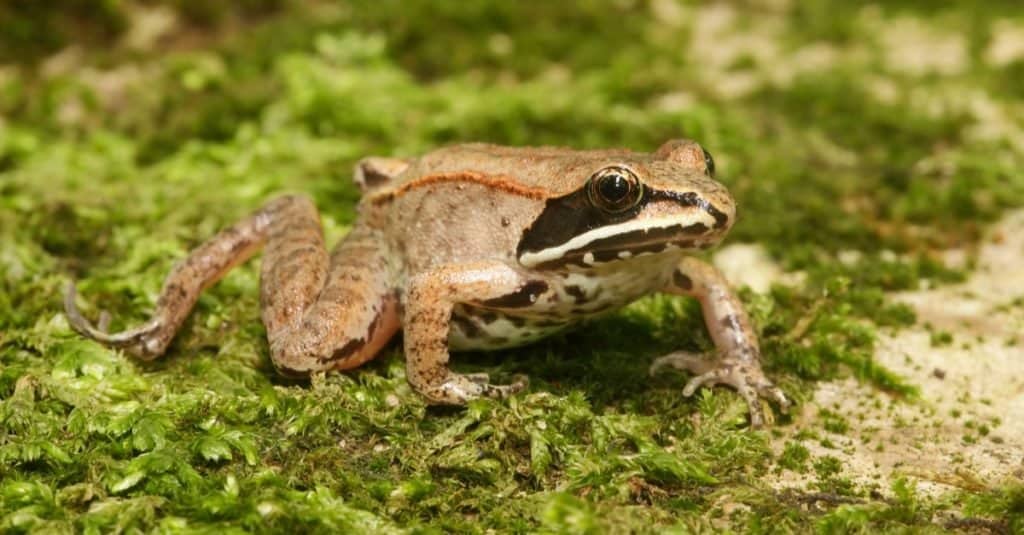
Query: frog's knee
[(286, 368)]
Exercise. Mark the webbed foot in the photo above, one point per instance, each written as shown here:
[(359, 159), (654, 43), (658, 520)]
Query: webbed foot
[(744, 376)]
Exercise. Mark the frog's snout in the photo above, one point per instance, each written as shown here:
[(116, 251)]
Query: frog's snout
[(716, 201), (722, 207)]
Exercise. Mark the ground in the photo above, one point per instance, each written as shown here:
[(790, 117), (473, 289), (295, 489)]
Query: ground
[(961, 432), (874, 149)]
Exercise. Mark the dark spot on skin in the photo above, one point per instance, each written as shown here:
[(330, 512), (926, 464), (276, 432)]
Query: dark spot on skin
[(682, 281), (525, 296), (345, 351), (577, 293), (696, 228), (291, 373), (731, 322), (239, 246), (467, 326), (304, 250), (372, 329), (649, 248), (356, 344), (605, 256), (517, 321), (488, 317), (721, 220), (690, 198), (687, 198), (505, 222), (291, 270)]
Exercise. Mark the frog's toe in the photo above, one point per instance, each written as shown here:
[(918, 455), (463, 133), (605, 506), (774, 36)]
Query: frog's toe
[(738, 377), (479, 378), (139, 341), (517, 385), (682, 360), (710, 378), (767, 390), (746, 378), (460, 388)]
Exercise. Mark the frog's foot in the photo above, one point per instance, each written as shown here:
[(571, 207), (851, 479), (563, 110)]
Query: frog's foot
[(745, 376), (460, 388), (141, 341)]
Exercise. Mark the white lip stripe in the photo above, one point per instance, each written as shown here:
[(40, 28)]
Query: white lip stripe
[(531, 259)]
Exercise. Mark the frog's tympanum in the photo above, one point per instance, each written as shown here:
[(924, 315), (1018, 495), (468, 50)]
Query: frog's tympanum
[(478, 247)]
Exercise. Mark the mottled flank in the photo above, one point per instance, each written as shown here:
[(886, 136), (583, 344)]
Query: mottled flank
[(868, 146), (523, 296)]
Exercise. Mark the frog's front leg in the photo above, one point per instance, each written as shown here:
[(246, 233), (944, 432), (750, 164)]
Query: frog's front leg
[(739, 356), (426, 323)]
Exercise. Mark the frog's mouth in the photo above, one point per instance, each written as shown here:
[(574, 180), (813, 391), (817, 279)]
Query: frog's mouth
[(624, 241)]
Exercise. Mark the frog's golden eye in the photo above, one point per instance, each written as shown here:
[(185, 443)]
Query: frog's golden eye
[(614, 189), (709, 164)]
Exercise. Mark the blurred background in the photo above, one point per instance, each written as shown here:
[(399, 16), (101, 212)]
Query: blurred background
[(870, 145)]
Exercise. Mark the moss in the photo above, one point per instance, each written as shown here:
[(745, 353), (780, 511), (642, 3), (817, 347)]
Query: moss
[(112, 168), (794, 457), (941, 338), (833, 422)]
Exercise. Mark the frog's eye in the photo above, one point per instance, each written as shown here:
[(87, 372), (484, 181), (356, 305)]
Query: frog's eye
[(709, 164), (614, 189)]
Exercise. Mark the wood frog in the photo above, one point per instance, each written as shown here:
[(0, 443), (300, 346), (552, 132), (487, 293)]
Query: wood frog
[(478, 247)]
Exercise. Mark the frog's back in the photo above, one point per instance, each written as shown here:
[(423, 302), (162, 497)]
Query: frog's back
[(550, 170)]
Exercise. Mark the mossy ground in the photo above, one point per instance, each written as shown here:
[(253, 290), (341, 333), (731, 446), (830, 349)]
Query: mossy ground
[(129, 132)]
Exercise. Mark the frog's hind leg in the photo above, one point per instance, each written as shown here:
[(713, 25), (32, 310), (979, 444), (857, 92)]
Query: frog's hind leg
[(336, 325), (204, 266), (320, 313)]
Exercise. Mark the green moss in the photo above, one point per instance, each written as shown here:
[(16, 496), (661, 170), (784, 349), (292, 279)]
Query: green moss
[(794, 457), (833, 422), (111, 179), (941, 338)]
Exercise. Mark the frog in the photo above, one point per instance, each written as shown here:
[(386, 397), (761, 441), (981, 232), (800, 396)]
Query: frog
[(478, 247)]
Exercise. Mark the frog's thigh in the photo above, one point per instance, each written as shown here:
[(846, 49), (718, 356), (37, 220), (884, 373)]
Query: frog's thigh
[(427, 317), (333, 325)]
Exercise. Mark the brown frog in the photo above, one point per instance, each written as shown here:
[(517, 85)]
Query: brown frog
[(478, 247)]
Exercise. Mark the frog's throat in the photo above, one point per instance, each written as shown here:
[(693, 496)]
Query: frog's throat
[(626, 240)]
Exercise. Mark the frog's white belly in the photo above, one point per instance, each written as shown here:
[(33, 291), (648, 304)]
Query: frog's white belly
[(570, 298)]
